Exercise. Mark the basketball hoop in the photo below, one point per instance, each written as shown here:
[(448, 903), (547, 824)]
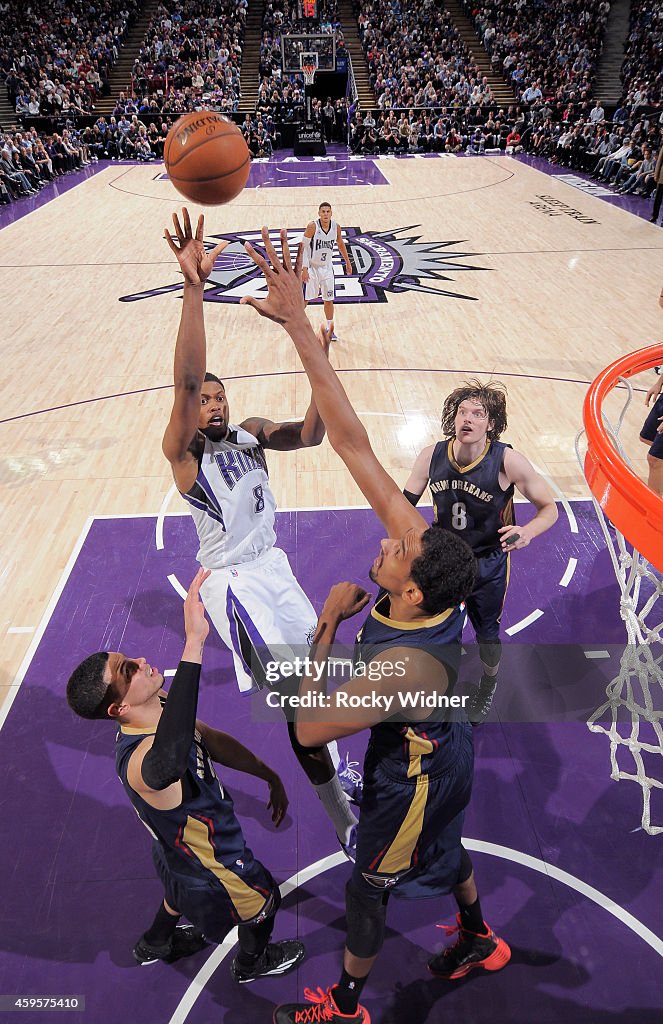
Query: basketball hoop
[(636, 513), (309, 70)]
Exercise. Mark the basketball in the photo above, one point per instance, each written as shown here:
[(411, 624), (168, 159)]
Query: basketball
[(207, 158)]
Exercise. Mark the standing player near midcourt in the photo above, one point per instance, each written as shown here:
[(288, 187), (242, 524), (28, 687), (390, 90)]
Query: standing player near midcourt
[(652, 435), (472, 476), (320, 237), (164, 761), (418, 768), (252, 596)]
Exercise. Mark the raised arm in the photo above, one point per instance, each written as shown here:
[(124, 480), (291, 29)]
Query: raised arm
[(159, 762), (189, 365), (289, 436), (285, 306)]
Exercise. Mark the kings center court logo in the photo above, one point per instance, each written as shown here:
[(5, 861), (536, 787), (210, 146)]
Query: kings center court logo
[(383, 262)]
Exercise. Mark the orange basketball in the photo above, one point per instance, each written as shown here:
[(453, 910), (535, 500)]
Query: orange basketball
[(207, 158)]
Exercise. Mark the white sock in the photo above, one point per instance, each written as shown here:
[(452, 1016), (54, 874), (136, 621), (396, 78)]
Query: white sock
[(330, 324), (337, 807)]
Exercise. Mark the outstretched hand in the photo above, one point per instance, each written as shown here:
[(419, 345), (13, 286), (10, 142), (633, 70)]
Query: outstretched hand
[(285, 299), (194, 259), (196, 626)]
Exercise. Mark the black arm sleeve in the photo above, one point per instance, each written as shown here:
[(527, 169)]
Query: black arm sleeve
[(166, 761), (412, 498)]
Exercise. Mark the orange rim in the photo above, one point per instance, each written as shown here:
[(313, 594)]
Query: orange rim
[(625, 499)]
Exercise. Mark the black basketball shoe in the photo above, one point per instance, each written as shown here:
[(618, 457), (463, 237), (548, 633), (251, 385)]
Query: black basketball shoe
[(185, 941), (278, 958), (480, 702)]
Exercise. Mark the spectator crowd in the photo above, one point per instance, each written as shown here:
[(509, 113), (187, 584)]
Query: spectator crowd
[(28, 161), (191, 56), (642, 70), (55, 56), (549, 47), (416, 57), (55, 59)]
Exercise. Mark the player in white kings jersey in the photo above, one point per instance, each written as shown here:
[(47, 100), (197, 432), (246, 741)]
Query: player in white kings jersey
[(251, 596), (320, 238)]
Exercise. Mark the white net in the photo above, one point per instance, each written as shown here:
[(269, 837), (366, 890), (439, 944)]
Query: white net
[(308, 71), (635, 695)]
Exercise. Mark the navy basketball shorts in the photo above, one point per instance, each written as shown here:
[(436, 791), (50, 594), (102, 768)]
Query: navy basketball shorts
[(649, 431), (486, 602), (409, 832), (216, 905)]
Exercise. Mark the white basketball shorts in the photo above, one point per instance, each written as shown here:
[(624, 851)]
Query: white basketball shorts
[(258, 607), (320, 282)]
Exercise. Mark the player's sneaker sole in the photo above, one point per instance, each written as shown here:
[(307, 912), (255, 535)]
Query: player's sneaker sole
[(319, 1008), (297, 1014)]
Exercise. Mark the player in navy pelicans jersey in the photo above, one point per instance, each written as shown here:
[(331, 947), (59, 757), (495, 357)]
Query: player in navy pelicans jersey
[(472, 475), (418, 770), (252, 596), (164, 761)]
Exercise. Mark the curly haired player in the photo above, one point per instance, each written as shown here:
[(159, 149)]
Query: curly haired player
[(472, 475)]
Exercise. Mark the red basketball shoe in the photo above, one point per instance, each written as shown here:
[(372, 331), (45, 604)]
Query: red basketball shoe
[(320, 1009), (468, 952)]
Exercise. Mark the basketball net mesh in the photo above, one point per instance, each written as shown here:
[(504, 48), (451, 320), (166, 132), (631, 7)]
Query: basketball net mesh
[(637, 692), (309, 70)]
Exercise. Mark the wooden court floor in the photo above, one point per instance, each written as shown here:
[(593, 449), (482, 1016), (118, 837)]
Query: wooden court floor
[(549, 300)]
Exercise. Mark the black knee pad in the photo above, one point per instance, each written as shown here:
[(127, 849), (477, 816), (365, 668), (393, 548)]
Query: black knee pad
[(465, 869), (365, 917), (490, 652), (296, 745)]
